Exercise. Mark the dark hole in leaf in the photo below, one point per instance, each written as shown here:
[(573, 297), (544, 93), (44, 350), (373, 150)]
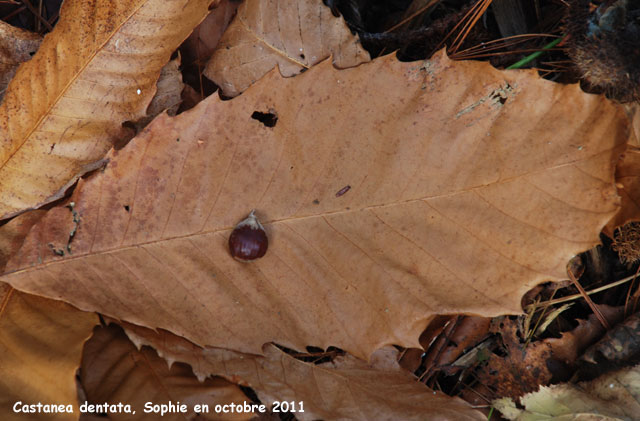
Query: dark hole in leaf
[(312, 349), (498, 97), (250, 393), (126, 207), (129, 133), (500, 352), (302, 56), (268, 119)]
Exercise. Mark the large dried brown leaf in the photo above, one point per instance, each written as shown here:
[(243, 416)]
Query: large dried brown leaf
[(40, 348), (64, 108), (468, 186), (290, 34), (345, 389), (16, 46), (113, 371)]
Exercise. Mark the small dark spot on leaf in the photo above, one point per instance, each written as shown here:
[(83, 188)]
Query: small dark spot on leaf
[(316, 202), (126, 207), (55, 250), (343, 190), (268, 119), (178, 140), (31, 53), (250, 393), (302, 56)]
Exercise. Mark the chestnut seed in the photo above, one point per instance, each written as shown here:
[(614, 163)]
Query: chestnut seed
[(248, 240)]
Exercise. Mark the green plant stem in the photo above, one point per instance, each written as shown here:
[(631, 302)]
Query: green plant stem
[(518, 64)]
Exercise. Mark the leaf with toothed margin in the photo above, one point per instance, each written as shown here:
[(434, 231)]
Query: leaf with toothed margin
[(468, 185)]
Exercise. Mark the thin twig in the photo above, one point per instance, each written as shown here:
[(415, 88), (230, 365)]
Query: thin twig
[(492, 54), (38, 23), (35, 12), (445, 335), (413, 15), (590, 292), (474, 18), (53, 18), (482, 49), (586, 297), (12, 14), (626, 301), (469, 12), (503, 42)]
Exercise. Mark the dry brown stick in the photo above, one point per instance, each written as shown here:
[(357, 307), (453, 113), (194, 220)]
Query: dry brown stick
[(586, 297), (53, 18), (12, 14), (413, 15), (629, 296), (441, 343), (38, 22), (576, 296), (35, 12)]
